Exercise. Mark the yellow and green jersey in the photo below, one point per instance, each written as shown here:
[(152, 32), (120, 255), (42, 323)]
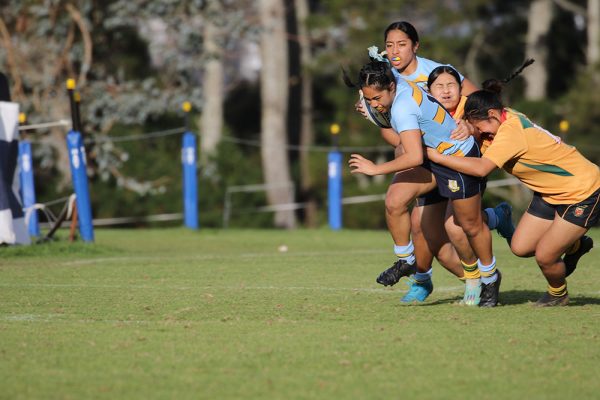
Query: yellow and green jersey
[(542, 161)]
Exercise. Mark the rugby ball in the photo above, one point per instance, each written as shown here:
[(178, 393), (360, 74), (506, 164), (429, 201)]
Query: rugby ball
[(382, 120)]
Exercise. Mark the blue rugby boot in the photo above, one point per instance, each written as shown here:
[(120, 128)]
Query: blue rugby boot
[(505, 226), (418, 291)]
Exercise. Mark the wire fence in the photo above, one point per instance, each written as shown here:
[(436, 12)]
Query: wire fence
[(228, 208)]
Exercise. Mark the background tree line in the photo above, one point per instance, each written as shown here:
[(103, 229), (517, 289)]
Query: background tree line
[(264, 79)]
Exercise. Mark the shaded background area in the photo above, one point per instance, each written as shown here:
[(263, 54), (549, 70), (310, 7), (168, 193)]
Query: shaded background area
[(264, 79)]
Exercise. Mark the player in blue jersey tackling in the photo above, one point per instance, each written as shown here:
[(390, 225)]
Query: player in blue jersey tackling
[(430, 222), (419, 119)]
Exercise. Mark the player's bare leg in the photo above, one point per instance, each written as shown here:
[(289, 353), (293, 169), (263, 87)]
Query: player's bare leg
[(467, 213), (405, 187)]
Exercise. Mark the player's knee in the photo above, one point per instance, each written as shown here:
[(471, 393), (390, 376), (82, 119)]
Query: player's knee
[(446, 254), (520, 250), (395, 205), (471, 228), (544, 259), (454, 231)]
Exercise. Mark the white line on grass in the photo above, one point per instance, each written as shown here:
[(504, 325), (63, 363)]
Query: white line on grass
[(87, 261), (61, 318), (239, 287)]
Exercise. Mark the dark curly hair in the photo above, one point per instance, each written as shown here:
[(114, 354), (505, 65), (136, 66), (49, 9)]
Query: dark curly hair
[(377, 74)]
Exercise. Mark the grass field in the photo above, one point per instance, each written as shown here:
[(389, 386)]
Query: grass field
[(224, 315)]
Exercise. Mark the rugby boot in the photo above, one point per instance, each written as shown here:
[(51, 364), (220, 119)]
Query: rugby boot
[(392, 275), (586, 243), (472, 292), (418, 291), (547, 300), (490, 291)]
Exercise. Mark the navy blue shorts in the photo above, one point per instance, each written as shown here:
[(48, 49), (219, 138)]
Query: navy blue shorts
[(584, 214), (429, 198), (456, 185)]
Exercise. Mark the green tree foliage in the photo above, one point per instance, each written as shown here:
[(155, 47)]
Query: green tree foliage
[(147, 58)]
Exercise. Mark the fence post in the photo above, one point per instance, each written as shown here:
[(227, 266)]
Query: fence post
[(190, 182), (335, 181), (78, 170), (27, 183), (28, 186)]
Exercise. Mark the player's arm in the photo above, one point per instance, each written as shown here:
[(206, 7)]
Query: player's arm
[(412, 157), (390, 136), (474, 166), (468, 87)]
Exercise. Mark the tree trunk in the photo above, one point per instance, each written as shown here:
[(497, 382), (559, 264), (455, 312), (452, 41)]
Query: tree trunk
[(306, 123), (211, 125), (593, 32), (472, 71), (536, 76), (274, 98)]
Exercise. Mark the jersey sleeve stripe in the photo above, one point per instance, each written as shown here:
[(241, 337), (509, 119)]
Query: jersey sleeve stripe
[(440, 115), (442, 147), (417, 94)]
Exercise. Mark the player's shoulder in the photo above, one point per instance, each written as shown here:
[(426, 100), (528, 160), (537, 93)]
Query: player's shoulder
[(404, 100), (515, 121), (426, 65), (428, 61)]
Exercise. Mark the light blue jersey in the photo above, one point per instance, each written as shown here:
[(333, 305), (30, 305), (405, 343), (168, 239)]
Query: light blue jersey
[(421, 74), (413, 108)]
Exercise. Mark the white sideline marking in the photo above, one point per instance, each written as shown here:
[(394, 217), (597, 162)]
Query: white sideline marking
[(221, 256), (239, 287), (60, 318)]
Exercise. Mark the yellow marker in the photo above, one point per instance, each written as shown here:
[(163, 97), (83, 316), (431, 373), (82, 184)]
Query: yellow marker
[(187, 106), (334, 129), (70, 84), (77, 97), (22, 118), (563, 125)]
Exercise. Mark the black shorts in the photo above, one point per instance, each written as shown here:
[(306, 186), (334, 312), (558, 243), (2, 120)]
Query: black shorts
[(429, 198), (584, 214), (455, 185)]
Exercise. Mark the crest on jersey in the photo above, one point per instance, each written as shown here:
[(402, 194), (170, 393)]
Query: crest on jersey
[(453, 186), (578, 212)]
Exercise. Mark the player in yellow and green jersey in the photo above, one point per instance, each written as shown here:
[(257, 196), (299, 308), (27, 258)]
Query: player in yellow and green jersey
[(566, 187)]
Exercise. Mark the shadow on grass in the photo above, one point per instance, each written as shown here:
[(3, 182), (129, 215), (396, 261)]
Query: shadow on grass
[(516, 297)]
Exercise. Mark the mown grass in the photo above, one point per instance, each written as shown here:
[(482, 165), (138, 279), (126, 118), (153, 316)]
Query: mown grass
[(170, 313)]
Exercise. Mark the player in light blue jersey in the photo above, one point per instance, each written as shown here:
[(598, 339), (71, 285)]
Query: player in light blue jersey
[(415, 109), (401, 45), (419, 119), (424, 67)]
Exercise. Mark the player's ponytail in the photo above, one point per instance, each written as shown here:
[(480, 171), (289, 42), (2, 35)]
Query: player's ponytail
[(496, 85), (480, 102), (347, 79)]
